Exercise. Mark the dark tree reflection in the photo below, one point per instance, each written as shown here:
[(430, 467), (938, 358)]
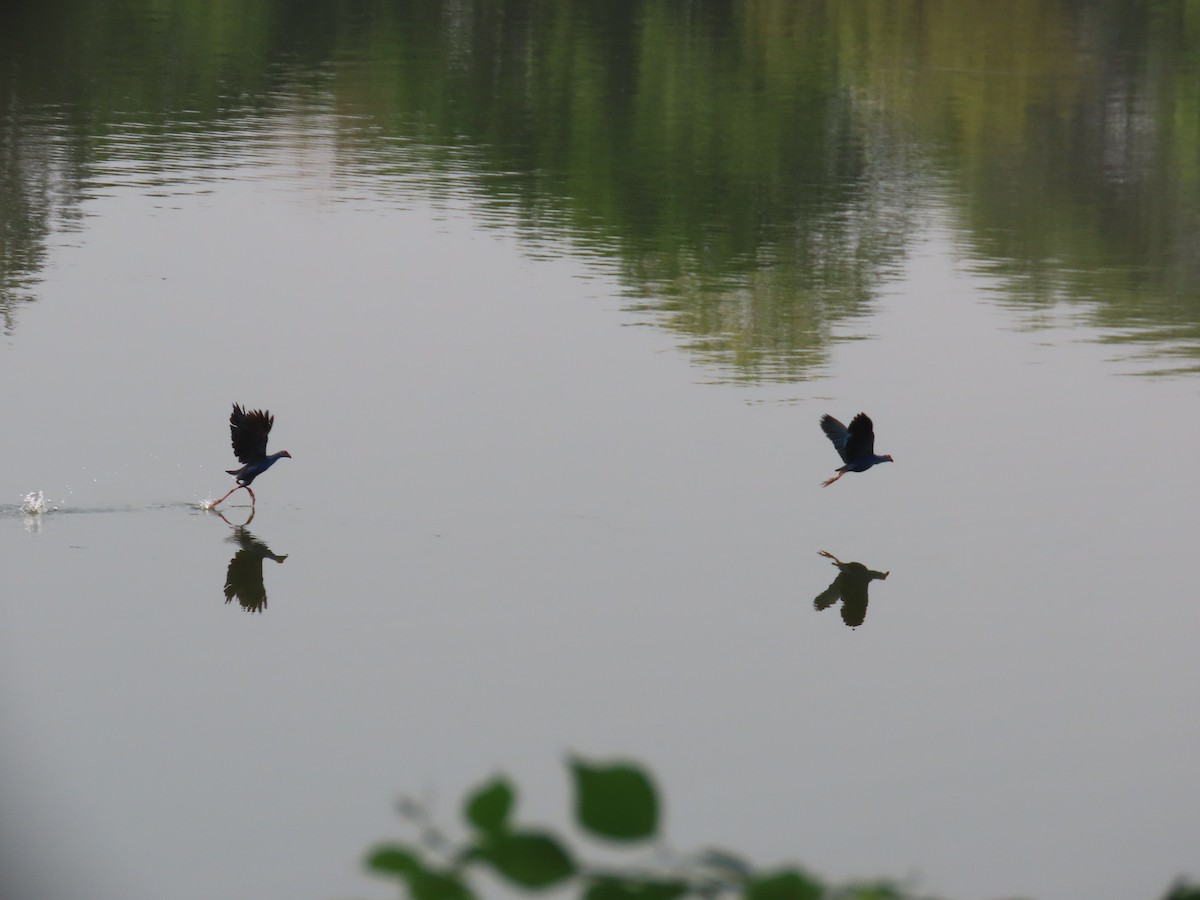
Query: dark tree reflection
[(850, 587)]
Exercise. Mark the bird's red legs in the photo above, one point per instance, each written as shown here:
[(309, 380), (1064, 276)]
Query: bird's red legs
[(828, 481), (230, 524), (231, 490), (222, 500)]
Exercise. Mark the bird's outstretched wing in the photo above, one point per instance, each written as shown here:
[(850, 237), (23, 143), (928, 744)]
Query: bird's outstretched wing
[(248, 432), (244, 580), (854, 609), (861, 443), (829, 596), (838, 434)]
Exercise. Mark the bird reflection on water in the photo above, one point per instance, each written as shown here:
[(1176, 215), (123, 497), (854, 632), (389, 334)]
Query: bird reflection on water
[(244, 577), (850, 587)]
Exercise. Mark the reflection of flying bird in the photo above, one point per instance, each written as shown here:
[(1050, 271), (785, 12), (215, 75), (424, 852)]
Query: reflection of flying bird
[(248, 432), (850, 587), (244, 577), (855, 445)]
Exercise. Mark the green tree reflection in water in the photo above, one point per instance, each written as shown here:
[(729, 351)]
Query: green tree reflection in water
[(754, 171)]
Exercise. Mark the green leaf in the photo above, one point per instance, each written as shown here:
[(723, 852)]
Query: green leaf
[(530, 859), (393, 859), (879, 890), (614, 888), (438, 886), (423, 883), (489, 807), (615, 801), (787, 884)]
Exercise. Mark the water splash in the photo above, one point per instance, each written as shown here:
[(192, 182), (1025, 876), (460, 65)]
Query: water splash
[(36, 504)]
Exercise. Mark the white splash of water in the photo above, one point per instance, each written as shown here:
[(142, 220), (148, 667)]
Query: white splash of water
[(35, 504)]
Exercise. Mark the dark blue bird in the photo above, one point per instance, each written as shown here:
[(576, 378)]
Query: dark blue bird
[(856, 444), (248, 431)]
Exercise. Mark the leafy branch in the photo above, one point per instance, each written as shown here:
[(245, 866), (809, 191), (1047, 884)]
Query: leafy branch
[(614, 802)]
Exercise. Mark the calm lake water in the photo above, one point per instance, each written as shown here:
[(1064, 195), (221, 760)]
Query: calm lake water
[(548, 303)]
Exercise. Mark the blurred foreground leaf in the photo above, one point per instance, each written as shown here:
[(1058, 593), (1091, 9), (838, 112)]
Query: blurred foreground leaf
[(615, 801), (423, 883), (633, 889), (391, 859), (788, 884), (530, 859), (489, 807), (1182, 890), (871, 891)]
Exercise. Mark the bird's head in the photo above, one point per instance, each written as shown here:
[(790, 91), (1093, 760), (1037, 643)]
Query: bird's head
[(283, 453), (887, 457)]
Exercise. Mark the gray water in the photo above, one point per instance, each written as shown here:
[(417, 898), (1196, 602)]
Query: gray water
[(555, 487)]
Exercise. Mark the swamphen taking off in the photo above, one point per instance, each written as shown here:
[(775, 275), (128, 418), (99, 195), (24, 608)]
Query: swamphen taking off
[(248, 431), (856, 444)]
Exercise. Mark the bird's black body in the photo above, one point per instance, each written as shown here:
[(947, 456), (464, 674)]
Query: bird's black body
[(248, 433), (855, 445)]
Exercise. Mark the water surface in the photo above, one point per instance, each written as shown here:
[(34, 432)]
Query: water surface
[(548, 304)]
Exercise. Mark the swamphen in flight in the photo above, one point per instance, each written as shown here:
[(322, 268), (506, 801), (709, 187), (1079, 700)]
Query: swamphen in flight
[(248, 431), (856, 444)]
